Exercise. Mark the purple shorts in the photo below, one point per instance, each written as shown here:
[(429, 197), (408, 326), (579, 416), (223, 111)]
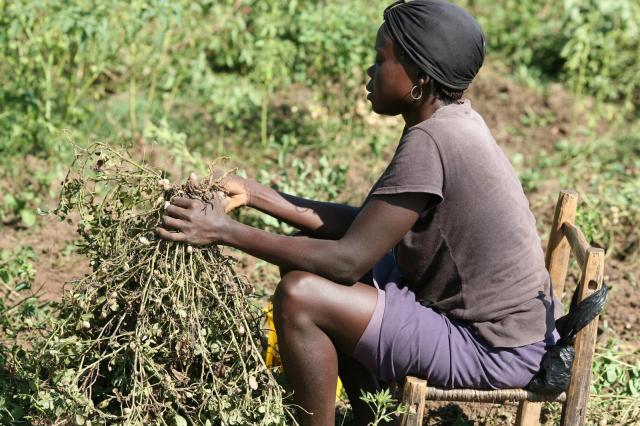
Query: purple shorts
[(404, 338)]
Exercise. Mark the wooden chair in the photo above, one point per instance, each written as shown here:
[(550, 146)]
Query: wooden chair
[(564, 239)]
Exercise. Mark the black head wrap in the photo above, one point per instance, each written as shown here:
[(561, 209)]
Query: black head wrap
[(441, 38)]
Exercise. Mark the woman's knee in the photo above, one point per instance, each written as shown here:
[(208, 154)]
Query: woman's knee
[(293, 294)]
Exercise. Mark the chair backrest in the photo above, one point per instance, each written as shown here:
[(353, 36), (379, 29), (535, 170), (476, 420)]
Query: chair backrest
[(565, 238)]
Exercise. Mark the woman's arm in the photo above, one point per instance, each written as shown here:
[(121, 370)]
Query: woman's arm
[(378, 227), (315, 218)]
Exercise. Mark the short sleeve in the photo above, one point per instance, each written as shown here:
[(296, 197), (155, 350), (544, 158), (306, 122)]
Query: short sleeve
[(415, 167)]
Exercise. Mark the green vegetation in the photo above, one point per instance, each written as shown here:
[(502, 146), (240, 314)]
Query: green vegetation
[(606, 172), (20, 311), (591, 45), (277, 86), (616, 387), (384, 407)]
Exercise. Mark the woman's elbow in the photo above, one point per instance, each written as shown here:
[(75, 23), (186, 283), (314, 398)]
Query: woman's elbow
[(349, 271)]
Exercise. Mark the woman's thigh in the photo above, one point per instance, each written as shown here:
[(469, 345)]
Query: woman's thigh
[(416, 340)]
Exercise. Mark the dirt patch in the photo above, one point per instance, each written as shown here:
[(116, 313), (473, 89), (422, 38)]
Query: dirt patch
[(522, 119), (458, 414), (622, 315), (56, 262)]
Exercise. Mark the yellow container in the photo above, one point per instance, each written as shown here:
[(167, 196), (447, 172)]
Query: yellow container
[(272, 357)]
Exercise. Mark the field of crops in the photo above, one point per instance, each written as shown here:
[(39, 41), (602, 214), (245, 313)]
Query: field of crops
[(277, 87)]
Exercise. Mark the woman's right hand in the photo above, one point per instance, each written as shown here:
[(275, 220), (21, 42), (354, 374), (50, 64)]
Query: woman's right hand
[(237, 190)]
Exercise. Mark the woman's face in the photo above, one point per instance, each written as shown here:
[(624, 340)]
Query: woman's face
[(390, 85)]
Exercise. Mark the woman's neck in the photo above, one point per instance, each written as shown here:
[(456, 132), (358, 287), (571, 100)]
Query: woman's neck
[(422, 112)]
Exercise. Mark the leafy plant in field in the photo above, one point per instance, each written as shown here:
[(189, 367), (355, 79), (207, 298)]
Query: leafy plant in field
[(601, 50), (591, 45), (336, 41), (20, 312), (25, 191), (64, 56), (53, 54), (616, 373), (59, 58), (605, 172), (158, 332), (525, 33), (279, 41), (16, 270), (18, 207), (16, 297), (385, 408)]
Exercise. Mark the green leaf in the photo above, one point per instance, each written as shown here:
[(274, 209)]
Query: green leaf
[(17, 412), (22, 286), (179, 420), (10, 201), (28, 217)]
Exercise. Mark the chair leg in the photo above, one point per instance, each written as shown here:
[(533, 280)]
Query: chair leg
[(528, 413), (574, 411), (413, 398)]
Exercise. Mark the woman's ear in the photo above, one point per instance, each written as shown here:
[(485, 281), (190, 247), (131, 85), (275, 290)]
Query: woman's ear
[(423, 79), (426, 82)]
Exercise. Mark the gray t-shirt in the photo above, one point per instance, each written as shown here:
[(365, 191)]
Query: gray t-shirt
[(475, 255)]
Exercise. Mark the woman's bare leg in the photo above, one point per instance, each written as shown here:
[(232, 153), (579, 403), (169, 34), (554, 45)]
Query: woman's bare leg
[(315, 318), (355, 379)]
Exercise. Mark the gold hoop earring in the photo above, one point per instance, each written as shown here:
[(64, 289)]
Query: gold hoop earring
[(416, 97)]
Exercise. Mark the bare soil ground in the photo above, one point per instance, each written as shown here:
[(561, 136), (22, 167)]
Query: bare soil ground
[(57, 262), (523, 120)]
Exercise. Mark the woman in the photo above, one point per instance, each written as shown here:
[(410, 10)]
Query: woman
[(464, 299)]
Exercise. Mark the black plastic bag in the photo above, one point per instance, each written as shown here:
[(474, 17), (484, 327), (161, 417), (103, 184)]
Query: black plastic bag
[(555, 370)]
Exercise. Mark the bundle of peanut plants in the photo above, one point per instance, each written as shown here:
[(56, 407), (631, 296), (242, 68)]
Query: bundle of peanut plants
[(158, 332)]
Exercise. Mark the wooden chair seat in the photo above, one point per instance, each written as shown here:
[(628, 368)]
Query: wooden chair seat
[(564, 239), (491, 396)]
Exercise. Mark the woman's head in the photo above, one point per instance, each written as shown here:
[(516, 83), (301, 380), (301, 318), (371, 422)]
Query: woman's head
[(425, 50)]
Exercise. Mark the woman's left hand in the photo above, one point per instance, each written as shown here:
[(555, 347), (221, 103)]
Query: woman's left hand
[(197, 223)]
